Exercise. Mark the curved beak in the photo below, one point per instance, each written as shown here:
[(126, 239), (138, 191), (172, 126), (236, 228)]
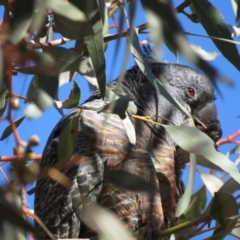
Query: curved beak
[(208, 116)]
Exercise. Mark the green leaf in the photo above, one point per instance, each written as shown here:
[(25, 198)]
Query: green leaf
[(195, 141), (73, 29), (8, 129), (128, 181), (186, 197), (222, 208), (214, 24), (10, 214), (143, 65), (66, 9), (96, 52), (196, 206), (118, 106), (67, 139), (76, 95), (95, 44)]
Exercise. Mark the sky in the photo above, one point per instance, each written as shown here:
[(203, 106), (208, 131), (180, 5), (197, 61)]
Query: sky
[(227, 104)]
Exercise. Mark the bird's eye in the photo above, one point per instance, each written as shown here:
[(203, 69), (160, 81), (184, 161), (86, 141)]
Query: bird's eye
[(190, 92)]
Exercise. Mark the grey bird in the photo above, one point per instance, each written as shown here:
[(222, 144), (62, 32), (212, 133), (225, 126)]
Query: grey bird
[(155, 157)]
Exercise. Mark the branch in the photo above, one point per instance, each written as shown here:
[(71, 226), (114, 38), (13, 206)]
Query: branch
[(34, 157), (229, 139)]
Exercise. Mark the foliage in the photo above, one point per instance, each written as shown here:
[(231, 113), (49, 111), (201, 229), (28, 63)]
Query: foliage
[(34, 37)]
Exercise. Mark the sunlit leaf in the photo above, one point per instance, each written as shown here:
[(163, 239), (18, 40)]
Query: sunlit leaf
[(41, 102), (65, 77), (68, 138), (186, 197), (66, 9), (236, 8), (128, 181), (129, 128), (213, 22), (193, 140), (104, 222), (8, 129), (235, 31), (212, 183), (208, 56)]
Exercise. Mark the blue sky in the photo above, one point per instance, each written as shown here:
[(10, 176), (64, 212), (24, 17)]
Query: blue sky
[(228, 107)]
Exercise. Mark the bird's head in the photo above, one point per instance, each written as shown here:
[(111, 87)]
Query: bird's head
[(196, 93)]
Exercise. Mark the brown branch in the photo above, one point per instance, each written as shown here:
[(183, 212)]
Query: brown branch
[(34, 157), (229, 139), (50, 43)]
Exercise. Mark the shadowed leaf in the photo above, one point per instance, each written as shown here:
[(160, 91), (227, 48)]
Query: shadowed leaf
[(214, 24), (10, 214), (73, 29), (222, 207), (118, 106), (8, 129), (128, 181)]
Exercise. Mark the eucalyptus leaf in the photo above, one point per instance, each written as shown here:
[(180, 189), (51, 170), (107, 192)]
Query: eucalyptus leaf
[(143, 65), (99, 219), (185, 199), (128, 181), (193, 140), (224, 206), (8, 129), (76, 95), (208, 56), (118, 106), (212, 183), (68, 138), (66, 9), (213, 22), (73, 29)]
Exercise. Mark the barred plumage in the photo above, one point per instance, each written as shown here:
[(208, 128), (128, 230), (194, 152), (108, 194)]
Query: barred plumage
[(102, 143)]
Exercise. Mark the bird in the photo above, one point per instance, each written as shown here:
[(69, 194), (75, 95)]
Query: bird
[(102, 144)]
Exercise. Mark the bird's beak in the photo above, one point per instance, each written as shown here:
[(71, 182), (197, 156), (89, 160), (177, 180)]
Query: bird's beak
[(211, 125)]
